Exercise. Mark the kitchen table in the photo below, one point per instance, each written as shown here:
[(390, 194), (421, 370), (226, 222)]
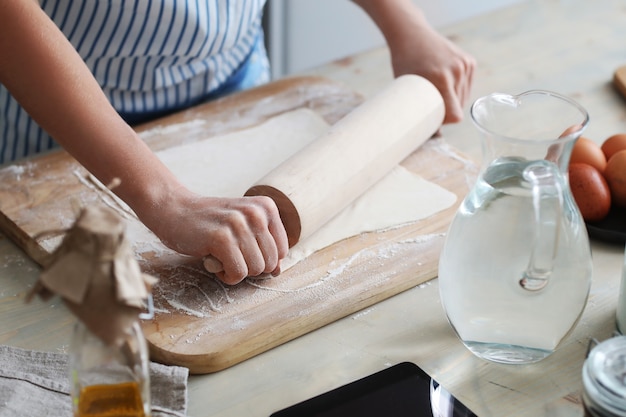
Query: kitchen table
[(568, 46)]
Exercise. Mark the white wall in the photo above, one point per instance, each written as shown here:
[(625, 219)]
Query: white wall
[(306, 33)]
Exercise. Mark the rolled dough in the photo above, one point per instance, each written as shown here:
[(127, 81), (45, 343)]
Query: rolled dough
[(228, 165)]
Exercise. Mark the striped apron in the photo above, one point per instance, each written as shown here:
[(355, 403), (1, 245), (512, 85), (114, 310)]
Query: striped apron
[(150, 57)]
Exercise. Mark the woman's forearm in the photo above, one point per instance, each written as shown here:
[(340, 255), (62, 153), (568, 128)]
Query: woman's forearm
[(396, 19), (48, 78)]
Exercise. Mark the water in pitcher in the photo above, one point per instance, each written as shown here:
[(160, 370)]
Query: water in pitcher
[(486, 256)]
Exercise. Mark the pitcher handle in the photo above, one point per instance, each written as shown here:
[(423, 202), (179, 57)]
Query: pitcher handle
[(548, 206)]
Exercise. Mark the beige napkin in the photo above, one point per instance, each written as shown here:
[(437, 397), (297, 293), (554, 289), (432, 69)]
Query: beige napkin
[(37, 384)]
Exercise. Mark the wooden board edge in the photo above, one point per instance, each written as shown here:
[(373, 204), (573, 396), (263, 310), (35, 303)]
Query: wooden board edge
[(23, 241), (218, 360)]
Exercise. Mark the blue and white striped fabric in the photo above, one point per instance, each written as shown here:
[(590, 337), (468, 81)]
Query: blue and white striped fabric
[(150, 57)]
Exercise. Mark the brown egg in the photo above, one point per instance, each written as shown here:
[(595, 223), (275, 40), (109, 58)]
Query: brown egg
[(590, 191), (588, 152), (615, 174), (613, 144)]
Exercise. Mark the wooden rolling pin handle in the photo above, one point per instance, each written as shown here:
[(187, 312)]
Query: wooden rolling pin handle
[(619, 80), (288, 212)]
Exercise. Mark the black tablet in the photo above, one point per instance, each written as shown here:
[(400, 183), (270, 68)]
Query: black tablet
[(401, 390)]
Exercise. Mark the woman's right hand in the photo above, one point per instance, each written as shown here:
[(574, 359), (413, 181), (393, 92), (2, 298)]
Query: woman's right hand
[(245, 234)]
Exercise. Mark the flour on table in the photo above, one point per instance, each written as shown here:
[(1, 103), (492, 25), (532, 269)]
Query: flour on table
[(227, 165)]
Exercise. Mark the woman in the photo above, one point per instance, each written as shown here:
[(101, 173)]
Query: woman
[(82, 71)]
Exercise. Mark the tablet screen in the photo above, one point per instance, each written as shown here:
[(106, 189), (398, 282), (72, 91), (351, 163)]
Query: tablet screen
[(402, 390)]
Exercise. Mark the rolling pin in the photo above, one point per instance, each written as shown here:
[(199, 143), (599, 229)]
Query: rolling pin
[(323, 178)]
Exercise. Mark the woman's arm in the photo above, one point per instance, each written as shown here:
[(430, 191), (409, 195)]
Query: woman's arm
[(419, 49), (48, 78)]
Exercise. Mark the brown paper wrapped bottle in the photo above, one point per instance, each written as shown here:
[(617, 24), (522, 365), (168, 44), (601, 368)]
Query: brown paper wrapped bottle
[(95, 273)]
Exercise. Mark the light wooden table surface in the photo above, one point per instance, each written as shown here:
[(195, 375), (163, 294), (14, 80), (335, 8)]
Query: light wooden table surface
[(569, 46)]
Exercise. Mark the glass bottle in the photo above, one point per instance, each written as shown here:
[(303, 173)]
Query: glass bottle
[(604, 385), (101, 283), (109, 380)]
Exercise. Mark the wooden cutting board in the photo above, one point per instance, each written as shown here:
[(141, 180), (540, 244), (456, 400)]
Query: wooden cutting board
[(199, 322)]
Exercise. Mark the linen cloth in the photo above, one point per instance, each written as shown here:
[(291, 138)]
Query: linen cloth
[(36, 384)]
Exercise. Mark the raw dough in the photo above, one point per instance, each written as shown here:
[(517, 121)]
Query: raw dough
[(228, 165), (399, 198)]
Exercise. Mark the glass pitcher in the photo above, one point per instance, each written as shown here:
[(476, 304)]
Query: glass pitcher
[(515, 270)]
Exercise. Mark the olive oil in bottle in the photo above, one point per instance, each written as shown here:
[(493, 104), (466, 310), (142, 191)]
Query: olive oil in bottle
[(121, 400), (109, 380)]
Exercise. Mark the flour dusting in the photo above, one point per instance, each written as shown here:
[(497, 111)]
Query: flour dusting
[(17, 170), (172, 129), (192, 291)]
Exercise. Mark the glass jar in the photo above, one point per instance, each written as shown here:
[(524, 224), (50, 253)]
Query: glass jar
[(515, 269), (108, 380), (604, 379)]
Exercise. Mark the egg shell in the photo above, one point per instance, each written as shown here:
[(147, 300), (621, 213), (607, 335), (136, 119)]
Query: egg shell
[(590, 190), (615, 175), (588, 152), (613, 144)]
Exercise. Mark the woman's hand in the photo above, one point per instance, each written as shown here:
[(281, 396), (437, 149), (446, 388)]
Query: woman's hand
[(440, 61), (245, 234), (417, 48)]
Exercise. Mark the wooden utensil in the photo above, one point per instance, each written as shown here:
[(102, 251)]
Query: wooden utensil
[(619, 80), (318, 182)]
